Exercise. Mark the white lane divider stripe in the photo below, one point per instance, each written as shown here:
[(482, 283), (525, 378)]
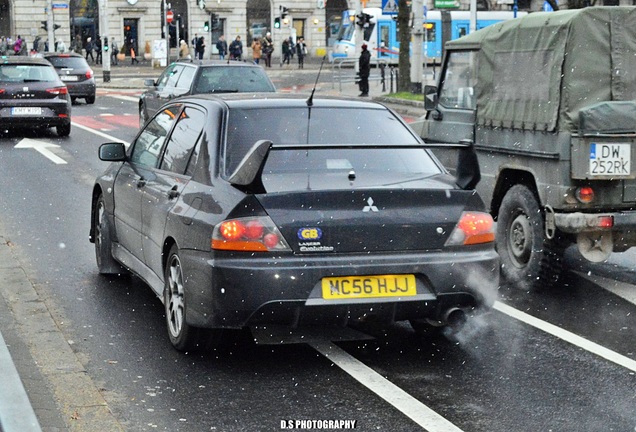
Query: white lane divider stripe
[(401, 400), (567, 336), (110, 138)]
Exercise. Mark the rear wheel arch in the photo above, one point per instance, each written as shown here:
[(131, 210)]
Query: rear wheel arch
[(508, 178)]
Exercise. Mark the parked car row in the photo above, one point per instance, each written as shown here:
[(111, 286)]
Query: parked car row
[(37, 92)]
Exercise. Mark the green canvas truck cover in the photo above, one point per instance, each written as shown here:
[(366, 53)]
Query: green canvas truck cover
[(540, 71)]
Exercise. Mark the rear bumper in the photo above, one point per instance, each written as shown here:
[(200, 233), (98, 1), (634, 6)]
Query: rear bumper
[(81, 89), (574, 223), (230, 292), (49, 118)]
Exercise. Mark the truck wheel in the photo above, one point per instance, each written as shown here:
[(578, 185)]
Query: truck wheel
[(528, 259)]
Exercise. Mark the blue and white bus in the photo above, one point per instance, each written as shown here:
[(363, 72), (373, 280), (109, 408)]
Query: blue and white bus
[(381, 35)]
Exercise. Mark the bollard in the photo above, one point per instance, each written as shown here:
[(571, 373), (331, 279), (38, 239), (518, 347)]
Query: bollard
[(382, 67)]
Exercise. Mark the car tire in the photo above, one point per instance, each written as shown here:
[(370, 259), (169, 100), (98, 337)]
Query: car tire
[(528, 259), (183, 336), (106, 264), (90, 100), (143, 116), (63, 130)]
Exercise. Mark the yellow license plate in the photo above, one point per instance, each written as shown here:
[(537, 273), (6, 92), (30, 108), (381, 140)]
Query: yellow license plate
[(368, 286)]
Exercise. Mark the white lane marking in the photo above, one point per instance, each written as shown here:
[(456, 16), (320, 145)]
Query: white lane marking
[(567, 336), (101, 134), (407, 404), (621, 289), (124, 98), (42, 148)]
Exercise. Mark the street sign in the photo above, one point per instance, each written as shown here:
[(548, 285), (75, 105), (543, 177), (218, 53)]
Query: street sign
[(60, 6), (390, 7), (169, 16)]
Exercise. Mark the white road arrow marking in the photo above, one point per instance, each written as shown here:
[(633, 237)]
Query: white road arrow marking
[(41, 147)]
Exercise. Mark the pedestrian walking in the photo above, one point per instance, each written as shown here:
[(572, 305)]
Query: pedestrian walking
[(221, 47), (17, 45), (286, 51), (133, 53), (115, 50), (200, 48), (3, 46), (89, 49), (236, 49), (268, 49), (61, 46), (301, 51), (184, 50), (365, 69), (98, 50), (76, 45), (256, 50)]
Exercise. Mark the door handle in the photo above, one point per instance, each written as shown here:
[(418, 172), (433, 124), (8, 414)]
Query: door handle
[(173, 193)]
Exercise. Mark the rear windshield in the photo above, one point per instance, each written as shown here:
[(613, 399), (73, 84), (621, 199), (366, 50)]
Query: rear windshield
[(17, 73), (219, 79), (322, 169), (68, 62), (340, 126)]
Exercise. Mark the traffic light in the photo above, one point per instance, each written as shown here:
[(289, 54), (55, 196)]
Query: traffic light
[(283, 12), (206, 26), (363, 19), (105, 44), (277, 22), (214, 21), (45, 25), (56, 26)]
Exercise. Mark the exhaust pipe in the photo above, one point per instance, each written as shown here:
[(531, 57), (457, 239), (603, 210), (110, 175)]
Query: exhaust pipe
[(455, 318)]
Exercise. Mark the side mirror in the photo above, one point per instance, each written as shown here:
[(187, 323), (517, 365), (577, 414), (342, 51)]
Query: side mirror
[(467, 173), (112, 152), (149, 82), (430, 97)]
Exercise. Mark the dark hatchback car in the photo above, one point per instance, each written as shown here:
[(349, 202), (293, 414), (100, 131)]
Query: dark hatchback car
[(199, 77), (32, 95), (242, 211), (75, 72)]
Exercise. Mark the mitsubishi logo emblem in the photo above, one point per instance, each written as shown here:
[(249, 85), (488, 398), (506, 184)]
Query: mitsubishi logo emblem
[(370, 206)]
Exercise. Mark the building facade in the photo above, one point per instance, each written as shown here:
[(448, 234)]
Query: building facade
[(139, 23)]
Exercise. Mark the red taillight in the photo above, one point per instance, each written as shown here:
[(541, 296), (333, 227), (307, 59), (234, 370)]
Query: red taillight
[(605, 222), (58, 90), (2, 90), (89, 74), (255, 234), (585, 194), (473, 228)]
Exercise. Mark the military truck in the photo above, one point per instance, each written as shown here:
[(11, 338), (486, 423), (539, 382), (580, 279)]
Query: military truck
[(549, 102)]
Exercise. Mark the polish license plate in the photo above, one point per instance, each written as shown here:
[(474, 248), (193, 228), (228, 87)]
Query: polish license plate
[(354, 287), (610, 159), (68, 77), (26, 111)]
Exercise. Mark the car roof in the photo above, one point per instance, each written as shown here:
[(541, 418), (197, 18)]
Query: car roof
[(218, 63), (66, 54), (24, 60), (280, 100)]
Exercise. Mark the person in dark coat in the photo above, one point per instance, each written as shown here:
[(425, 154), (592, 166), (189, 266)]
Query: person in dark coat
[(365, 69)]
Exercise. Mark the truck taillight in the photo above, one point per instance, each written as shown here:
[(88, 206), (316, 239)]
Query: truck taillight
[(253, 234), (472, 228), (585, 194)]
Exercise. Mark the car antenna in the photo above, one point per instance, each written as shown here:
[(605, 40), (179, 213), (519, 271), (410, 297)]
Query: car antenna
[(310, 101)]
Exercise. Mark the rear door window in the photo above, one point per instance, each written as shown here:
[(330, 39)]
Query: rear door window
[(184, 138), (147, 148)]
